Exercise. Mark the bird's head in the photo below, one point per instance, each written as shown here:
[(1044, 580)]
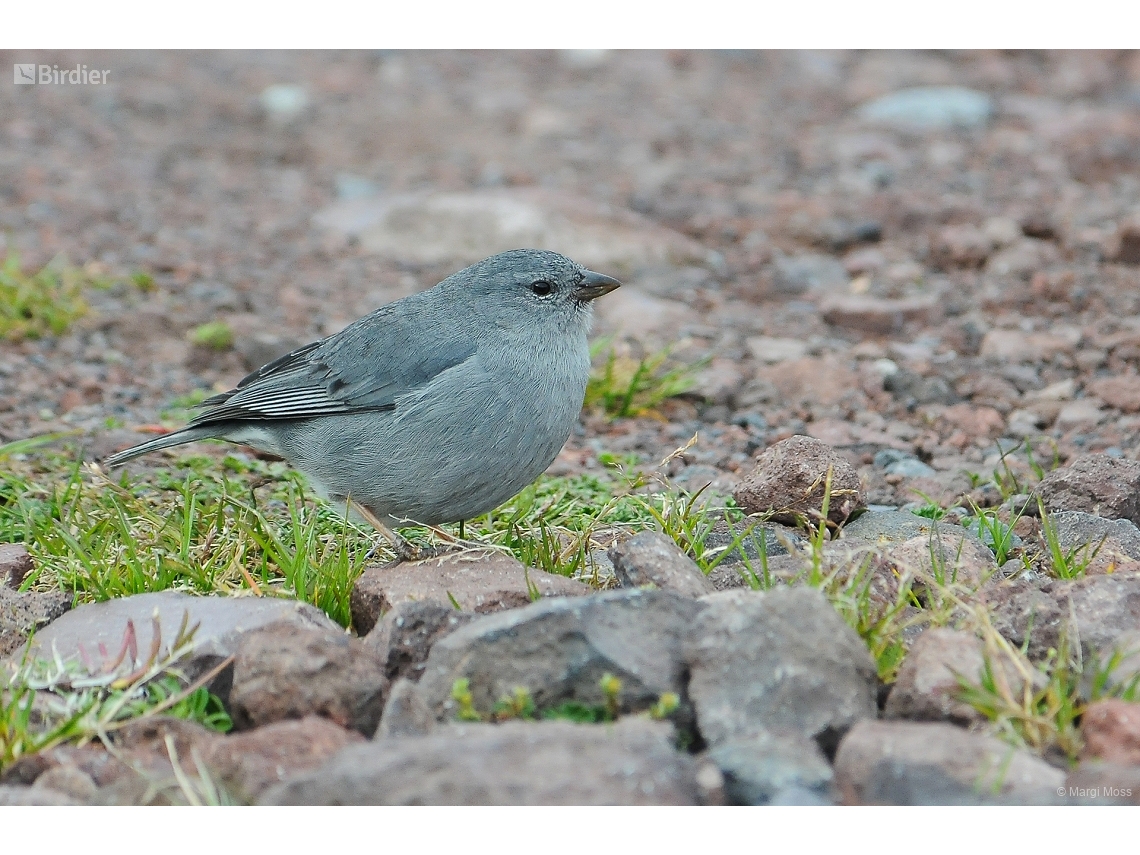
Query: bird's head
[(532, 286)]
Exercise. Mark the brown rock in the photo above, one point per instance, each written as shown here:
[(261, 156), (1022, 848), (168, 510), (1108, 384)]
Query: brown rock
[(651, 558), (281, 672), (876, 315), (975, 421), (821, 381), (961, 246), (908, 763), (1111, 729), (927, 683), (249, 763), (406, 713), (631, 761), (790, 479), (15, 564), (1128, 248), (1018, 346), (1104, 609), (1121, 392), (20, 614), (1097, 484), (406, 633), (479, 581), (15, 796)]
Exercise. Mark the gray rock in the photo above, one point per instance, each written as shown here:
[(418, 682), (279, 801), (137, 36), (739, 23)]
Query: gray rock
[(406, 713), (630, 762), (1094, 483), (478, 580), (789, 479), (20, 614), (222, 621), (459, 227), (893, 527), (559, 649), (651, 558), (771, 768), (1076, 530), (285, 672), (929, 108), (910, 467), (1096, 783), (907, 763), (799, 274), (405, 635), (777, 660)]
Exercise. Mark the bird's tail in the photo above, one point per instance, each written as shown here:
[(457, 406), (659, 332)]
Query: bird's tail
[(187, 434)]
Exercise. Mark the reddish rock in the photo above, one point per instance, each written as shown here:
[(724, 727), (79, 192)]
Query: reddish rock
[(282, 672), (479, 581), (15, 564), (876, 315), (249, 763), (974, 421), (947, 557), (1097, 484), (927, 685), (1018, 346), (1111, 729), (823, 381), (1122, 392), (790, 479)]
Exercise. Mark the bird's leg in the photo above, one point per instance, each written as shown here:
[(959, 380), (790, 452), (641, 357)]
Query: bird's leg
[(404, 550)]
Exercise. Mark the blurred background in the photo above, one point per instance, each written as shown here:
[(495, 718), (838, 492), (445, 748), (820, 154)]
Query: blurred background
[(926, 254)]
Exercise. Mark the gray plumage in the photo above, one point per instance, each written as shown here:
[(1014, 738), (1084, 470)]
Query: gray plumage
[(435, 408)]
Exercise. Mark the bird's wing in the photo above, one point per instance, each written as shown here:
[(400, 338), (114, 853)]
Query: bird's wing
[(367, 366)]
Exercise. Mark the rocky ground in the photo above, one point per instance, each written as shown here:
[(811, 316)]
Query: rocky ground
[(914, 275)]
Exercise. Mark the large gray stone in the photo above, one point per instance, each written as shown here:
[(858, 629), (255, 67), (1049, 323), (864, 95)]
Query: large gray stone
[(630, 762), (780, 660), (99, 628), (559, 650), (907, 763)]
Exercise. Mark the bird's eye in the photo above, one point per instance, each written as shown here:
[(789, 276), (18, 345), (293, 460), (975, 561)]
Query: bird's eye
[(542, 289)]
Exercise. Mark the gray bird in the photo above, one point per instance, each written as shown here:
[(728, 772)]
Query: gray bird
[(435, 408)]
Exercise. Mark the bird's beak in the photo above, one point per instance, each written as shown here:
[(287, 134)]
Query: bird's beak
[(594, 285)]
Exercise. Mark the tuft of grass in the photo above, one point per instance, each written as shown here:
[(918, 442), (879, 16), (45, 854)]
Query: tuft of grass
[(622, 386), (33, 305), (202, 532), (1065, 563), (1039, 707), (215, 335)]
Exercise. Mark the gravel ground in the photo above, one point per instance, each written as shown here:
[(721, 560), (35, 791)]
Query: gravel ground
[(940, 279)]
